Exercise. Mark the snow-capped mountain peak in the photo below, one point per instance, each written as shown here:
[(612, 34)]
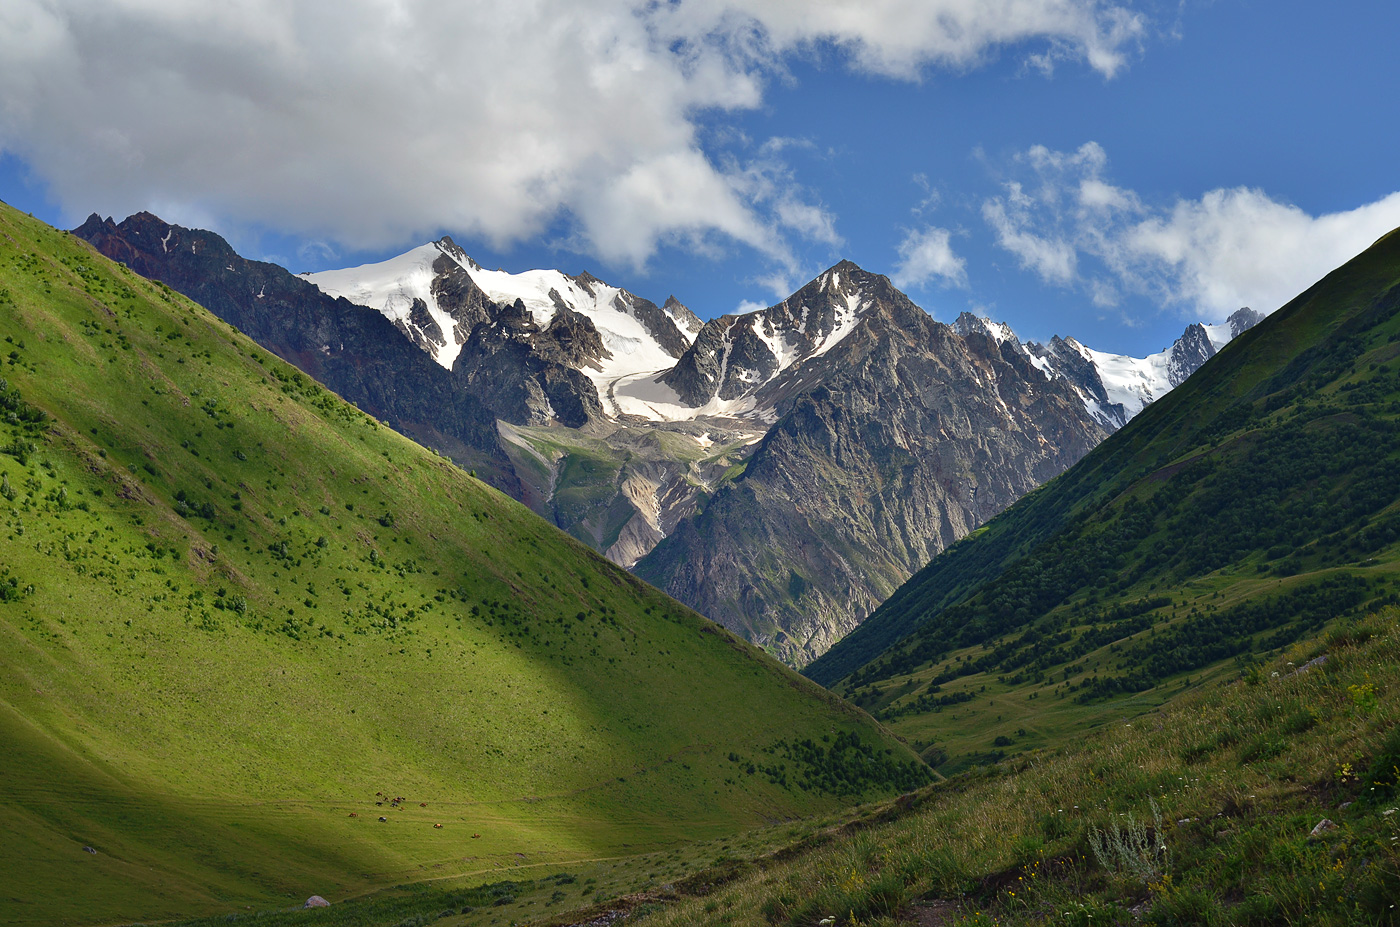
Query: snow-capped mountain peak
[(1115, 387), (734, 357), (967, 323), (435, 294), (405, 290)]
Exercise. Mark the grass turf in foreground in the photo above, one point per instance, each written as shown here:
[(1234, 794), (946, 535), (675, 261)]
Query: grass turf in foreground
[(1237, 777)]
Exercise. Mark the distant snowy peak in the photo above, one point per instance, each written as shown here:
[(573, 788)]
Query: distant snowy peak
[(969, 324), (1240, 321), (735, 356), (662, 363), (427, 293), (1115, 387), (435, 294)]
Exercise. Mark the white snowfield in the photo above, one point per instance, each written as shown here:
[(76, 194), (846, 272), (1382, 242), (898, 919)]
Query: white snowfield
[(392, 286), (1219, 335), (642, 394), (1132, 381)]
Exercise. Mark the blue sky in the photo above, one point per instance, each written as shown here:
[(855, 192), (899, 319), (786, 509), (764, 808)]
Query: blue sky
[(1103, 170)]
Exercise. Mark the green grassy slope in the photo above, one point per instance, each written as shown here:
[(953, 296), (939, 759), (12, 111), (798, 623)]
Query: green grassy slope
[(1200, 815), (236, 614), (1244, 510)]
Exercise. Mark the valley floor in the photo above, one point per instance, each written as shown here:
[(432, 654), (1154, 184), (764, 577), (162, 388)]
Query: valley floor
[(1271, 797)]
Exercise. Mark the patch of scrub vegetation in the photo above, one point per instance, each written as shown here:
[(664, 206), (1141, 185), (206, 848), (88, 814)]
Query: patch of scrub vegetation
[(239, 619), (841, 765)]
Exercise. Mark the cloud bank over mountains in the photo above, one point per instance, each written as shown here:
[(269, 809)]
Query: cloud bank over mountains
[(1065, 222), (371, 122)]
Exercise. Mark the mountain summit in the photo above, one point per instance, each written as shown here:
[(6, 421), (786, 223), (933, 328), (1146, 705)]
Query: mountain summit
[(437, 296)]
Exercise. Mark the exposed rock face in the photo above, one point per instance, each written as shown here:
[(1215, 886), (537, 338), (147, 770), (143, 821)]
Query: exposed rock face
[(421, 328), (705, 370), (457, 294), (572, 340), (1242, 320), (737, 356), (893, 442), (352, 350), (685, 320), (1069, 361), (528, 376), (1188, 353)]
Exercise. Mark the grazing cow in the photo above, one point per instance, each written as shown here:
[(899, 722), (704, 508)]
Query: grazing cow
[(437, 825), (422, 804), (384, 820), (354, 814), (475, 836)]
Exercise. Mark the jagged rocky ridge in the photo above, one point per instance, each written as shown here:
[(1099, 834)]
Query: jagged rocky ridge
[(1115, 387), (782, 470)]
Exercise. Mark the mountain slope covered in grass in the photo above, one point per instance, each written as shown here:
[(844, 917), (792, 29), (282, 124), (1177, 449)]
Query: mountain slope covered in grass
[(241, 621), (1253, 504)]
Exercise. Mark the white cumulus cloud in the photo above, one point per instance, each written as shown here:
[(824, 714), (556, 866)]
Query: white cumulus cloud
[(927, 254), (1239, 247), (1205, 257), (368, 122)]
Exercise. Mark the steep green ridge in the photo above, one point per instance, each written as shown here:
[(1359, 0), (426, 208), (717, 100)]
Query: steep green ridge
[(1241, 512), (236, 614)]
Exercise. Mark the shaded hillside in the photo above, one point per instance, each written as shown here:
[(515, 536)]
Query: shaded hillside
[(1241, 512), (241, 620)]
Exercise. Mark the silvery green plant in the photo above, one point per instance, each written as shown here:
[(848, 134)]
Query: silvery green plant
[(1130, 850)]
